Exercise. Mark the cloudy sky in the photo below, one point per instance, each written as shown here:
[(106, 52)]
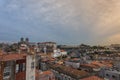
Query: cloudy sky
[(62, 21)]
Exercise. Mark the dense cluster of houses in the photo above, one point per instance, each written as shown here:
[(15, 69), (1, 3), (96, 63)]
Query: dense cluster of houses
[(35, 61)]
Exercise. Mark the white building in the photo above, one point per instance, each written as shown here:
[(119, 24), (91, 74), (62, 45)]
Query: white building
[(58, 53)]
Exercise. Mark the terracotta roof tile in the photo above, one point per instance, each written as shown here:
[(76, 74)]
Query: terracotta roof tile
[(92, 78), (8, 57), (89, 65), (44, 75), (69, 71)]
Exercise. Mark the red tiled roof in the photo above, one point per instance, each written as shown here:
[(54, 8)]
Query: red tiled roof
[(101, 64), (69, 71), (44, 75), (97, 63), (1, 54), (8, 57), (89, 65), (92, 78)]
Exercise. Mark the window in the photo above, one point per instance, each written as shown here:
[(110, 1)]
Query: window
[(20, 67), (32, 65), (24, 66), (32, 77), (6, 73), (7, 69), (17, 68), (113, 77), (107, 75)]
